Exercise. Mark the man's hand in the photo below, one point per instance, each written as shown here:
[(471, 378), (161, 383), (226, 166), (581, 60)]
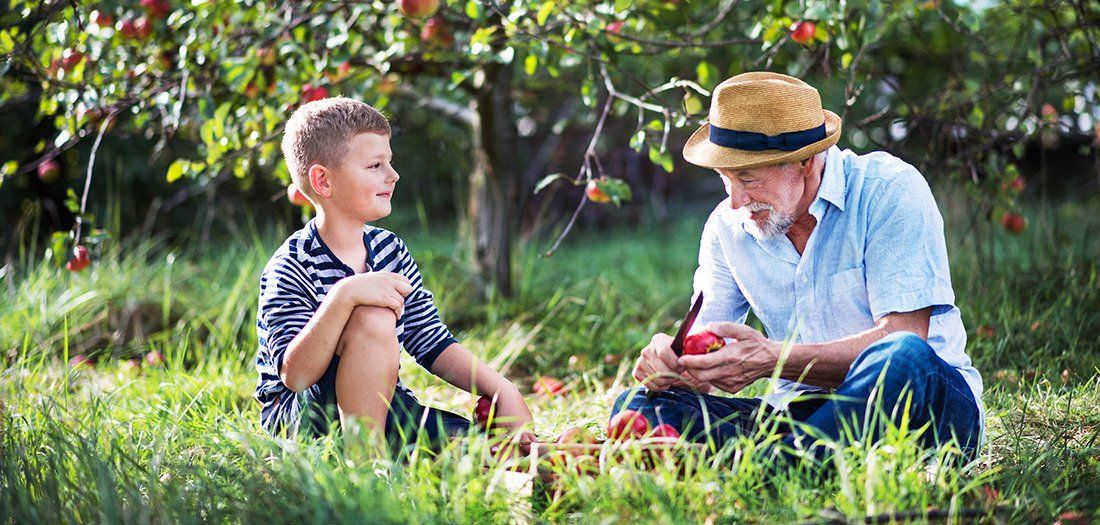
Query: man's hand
[(384, 289), (734, 366), (658, 369)]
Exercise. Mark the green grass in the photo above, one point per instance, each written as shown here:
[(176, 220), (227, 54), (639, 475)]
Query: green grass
[(182, 443)]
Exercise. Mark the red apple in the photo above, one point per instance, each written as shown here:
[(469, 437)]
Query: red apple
[(627, 424), (71, 59), (154, 358), (703, 342), (295, 196), (342, 72), (483, 411), (665, 430), (49, 171), (79, 261), (418, 8), (576, 436), (595, 194), (987, 332), (803, 32), (80, 360), (615, 27), (127, 28), (1018, 183), (310, 93), (144, 27), (1013, 222), (102, 19), (156, 8), (251, 91), (1049, 112), (436, 34), (546, 386), (575, 362), (266, 56), (130, 364)]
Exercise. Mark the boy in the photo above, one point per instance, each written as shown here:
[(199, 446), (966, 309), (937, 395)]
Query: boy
[(338, 297)]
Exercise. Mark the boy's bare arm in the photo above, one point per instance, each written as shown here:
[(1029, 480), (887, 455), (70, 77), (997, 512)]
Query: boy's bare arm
[(310, 352), (459, 367)]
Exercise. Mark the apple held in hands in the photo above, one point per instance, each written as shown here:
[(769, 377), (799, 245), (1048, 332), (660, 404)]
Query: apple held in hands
[(484, 413), (703, 342)]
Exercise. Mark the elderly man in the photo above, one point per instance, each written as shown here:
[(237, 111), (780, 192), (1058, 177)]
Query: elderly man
[(842, 257)]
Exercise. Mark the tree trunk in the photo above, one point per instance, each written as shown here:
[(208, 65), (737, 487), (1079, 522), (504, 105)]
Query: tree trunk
[(492, 212)]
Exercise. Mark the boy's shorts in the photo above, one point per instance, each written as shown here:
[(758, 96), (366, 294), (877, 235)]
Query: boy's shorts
[(406, 422)]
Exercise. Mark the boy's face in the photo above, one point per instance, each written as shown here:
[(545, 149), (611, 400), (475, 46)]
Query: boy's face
[(363, 184)]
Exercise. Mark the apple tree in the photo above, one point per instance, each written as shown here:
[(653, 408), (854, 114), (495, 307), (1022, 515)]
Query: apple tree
[(224, 75)]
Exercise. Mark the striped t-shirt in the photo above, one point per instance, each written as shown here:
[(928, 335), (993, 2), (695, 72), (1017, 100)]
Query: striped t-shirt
[(292, 286)]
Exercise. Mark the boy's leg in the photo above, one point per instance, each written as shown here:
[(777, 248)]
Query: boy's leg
[(369, 359), (409, 420)]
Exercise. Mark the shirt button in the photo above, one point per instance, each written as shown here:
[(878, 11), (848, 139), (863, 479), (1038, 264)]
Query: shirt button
[(805, 279)]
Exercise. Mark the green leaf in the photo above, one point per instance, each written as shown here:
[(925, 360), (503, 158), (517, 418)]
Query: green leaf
[(707, 74), (473, 9), (175, 171), (547, 180), (637, 141), (663, 160), (544, 12), (531, 64), (617, 189)]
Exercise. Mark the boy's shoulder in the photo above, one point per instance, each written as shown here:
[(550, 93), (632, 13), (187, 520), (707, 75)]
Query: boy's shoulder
[(296, 250)]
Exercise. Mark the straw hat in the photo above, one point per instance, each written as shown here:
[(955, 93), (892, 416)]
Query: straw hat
[(761, 119)]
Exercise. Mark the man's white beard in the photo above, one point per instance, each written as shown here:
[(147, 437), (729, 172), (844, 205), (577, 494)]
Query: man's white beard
[(774, 225)]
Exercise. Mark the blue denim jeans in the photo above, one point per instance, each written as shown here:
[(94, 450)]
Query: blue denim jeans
[(899, 370)]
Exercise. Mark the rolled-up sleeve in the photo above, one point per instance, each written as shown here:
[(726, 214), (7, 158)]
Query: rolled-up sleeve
[(905, 250)]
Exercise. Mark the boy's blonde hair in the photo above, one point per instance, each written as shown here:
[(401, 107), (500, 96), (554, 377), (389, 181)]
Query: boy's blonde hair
[(319, 132)]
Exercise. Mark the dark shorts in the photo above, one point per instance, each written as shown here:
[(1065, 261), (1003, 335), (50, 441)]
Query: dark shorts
[(407, 421)]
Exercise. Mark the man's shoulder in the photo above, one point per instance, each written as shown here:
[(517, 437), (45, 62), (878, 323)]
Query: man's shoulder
[(880, 169)]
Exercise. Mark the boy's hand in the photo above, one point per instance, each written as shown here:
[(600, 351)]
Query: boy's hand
[(384, 289)]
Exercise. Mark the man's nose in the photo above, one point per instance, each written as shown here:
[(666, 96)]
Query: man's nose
[(738, 197)]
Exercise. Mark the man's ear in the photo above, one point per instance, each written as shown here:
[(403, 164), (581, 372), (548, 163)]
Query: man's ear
[(319, 179), (811, 165)]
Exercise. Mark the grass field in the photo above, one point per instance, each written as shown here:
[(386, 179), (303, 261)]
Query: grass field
[(181, 442)]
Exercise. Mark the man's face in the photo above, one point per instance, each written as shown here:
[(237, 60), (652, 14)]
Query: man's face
[(765, 199)]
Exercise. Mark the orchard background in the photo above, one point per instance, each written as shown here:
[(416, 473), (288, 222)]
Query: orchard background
[(543, 193)]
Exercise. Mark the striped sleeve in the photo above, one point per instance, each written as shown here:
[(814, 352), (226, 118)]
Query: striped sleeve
[(424, 336), (285, 306)]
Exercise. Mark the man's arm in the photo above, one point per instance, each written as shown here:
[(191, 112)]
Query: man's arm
[(459, 367), (753, 356)]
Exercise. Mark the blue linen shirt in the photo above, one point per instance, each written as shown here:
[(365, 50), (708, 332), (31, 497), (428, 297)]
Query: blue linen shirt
[(878, 248)]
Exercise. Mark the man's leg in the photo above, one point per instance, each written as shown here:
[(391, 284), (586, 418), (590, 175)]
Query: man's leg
[(896, 378), (369, 359), (698, 417)]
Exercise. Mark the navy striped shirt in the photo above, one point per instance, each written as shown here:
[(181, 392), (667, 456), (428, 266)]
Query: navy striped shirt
[(292, 286)]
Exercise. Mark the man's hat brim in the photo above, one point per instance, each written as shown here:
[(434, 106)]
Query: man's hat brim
[(700, 151)]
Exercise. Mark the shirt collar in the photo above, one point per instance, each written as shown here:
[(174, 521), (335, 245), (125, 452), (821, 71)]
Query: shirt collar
[(832, 187)]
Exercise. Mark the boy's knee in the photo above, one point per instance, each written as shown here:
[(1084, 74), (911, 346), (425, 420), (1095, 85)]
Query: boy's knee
[(366, 326)]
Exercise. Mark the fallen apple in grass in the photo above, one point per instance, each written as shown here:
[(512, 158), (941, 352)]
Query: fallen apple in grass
[(665, 430), (628, 424), (546, 386), (154, 358), (81, 360), (703, 342)]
